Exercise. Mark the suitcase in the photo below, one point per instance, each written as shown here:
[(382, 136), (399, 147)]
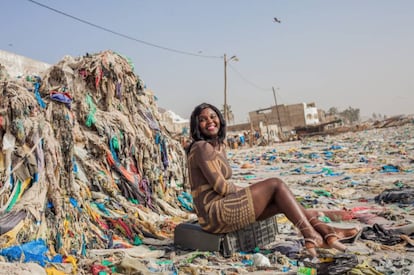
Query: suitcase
[(192, 236)]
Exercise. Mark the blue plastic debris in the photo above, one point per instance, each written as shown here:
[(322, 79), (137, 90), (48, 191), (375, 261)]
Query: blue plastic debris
[(34, 251)]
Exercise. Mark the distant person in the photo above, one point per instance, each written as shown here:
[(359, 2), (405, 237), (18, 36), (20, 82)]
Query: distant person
[(230, 142), (236, 142), (256, 136), (223, 207), (242, 140)]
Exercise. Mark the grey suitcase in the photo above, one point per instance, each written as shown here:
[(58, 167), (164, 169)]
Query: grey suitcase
[(192, 236)]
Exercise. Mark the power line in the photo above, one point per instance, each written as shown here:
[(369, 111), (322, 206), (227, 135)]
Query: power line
[(121, 34), (248, 81), (251, 83), (144, 42)]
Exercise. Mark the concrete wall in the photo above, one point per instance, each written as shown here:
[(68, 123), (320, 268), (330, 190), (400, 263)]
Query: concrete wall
[(17, 65), (297, 114), (239, 127), (287, 116)]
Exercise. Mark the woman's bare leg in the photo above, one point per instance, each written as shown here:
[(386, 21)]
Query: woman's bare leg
[(282, 203), (273, 196)]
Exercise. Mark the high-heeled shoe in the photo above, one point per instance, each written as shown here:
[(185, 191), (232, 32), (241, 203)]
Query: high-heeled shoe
[(311, 245), (312, 240), (333, 236), (352, 238)]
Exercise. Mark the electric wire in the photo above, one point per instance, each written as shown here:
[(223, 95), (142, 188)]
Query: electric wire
[(145, 42), (121, 34), (248, 81)]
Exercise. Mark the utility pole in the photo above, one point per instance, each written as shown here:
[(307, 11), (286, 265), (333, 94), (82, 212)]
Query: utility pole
[(277, 108), (278, 115), (225, 88), (225, 107)]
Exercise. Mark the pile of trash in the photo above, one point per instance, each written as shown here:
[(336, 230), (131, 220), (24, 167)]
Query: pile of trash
[(86, 162)]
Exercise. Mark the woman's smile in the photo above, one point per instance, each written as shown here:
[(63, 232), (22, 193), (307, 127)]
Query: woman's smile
[(209, 123)]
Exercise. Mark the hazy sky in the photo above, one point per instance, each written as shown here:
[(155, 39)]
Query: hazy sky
[(339, 54)]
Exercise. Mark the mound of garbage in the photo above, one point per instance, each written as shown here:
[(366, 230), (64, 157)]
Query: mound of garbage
[(86, 162)]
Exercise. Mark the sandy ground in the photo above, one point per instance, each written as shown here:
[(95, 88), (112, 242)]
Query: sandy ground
[(344, 172)]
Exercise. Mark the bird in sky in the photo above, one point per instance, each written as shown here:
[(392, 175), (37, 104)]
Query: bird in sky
[(276, 20)]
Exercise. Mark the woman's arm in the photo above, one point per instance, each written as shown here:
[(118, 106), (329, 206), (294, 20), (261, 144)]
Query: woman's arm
[(211, 166)]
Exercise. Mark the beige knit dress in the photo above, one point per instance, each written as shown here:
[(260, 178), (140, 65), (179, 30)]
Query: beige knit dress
[(221, 206)]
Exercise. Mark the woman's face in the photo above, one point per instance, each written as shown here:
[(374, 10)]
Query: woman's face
[(209, 123)]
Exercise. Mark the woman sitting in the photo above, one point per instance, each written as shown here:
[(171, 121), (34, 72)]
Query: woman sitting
[(223, 207)]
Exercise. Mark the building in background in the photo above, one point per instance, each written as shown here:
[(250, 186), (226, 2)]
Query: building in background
[(287, 117), (278, 123)]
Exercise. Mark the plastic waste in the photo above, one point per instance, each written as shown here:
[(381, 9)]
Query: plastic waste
[(260, 260), (9, 141), (304, 270)]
